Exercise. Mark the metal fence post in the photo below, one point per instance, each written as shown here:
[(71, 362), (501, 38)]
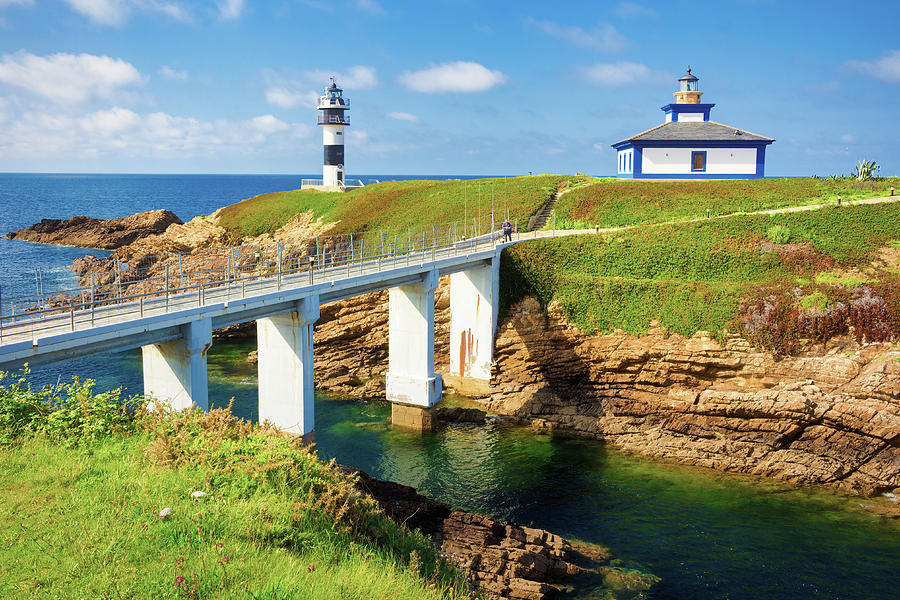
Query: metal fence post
[(167, 288), (93, 298), (72, 313), (312, 265), (279, 263), (180, 272)]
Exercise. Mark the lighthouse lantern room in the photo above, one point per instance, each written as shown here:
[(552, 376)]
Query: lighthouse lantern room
[(333, 118)]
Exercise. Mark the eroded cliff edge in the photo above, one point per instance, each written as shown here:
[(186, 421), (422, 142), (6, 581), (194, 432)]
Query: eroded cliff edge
[(830, 415)]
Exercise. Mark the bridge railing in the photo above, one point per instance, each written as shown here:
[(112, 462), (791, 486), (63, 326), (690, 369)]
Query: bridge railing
[(118, 288)]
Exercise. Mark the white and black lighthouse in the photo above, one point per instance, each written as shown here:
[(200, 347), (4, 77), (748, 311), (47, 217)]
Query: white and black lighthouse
[(333, 118)]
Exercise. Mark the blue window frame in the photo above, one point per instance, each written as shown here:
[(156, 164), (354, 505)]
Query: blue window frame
[(698, 161)]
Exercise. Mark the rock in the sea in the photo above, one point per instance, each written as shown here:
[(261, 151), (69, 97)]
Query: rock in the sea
[(86, 232), (460, 415), (505, 560)]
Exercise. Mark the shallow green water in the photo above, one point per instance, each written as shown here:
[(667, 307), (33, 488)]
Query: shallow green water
[(707, 535)]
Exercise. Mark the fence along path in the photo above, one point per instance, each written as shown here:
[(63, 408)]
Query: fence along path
[(231, 273)]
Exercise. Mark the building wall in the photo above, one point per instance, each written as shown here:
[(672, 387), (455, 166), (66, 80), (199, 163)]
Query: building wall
[(690, 117), (719, 161), (332, 134)]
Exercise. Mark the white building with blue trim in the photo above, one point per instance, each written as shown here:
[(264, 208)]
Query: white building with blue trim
[(688, 145)]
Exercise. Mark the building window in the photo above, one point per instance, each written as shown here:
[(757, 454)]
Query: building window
[(629, 162), (698, 161)]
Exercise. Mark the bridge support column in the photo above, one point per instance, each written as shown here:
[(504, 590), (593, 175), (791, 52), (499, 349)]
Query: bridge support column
[(286, 387), (412, 384), (474, 296), (175, 372)]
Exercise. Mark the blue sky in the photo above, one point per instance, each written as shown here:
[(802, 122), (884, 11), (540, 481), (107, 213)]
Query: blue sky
[(440, 87)]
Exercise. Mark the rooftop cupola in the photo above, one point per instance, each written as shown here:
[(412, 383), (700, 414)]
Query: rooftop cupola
[(688, 89)]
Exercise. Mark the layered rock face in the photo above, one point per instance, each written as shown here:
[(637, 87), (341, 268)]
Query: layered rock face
[(87, 232), (503, 559), (830, 416)]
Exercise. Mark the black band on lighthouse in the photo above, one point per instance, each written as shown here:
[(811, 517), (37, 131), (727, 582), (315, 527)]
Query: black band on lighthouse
[(334, 154)]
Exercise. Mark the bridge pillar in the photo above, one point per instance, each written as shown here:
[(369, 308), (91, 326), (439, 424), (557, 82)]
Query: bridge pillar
[(175, 372), (412, 384), (474, 303), (286, 386)]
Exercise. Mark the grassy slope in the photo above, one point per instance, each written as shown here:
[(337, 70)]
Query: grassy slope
[(395, 205), (80, 490), (612, 203), (690, 277)]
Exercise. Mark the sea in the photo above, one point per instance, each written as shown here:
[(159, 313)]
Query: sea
[(707, 535)]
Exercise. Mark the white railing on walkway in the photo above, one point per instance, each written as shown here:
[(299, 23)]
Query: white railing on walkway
[(115, 290)]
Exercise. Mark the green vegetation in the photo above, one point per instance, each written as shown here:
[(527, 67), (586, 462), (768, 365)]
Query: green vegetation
[(844, 279), (84, 478), (393, 206), (703, 275), (611, 203), (814, 301), (778, 234)]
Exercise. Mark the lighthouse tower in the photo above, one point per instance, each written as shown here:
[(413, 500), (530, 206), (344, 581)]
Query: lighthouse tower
[(332, 118)]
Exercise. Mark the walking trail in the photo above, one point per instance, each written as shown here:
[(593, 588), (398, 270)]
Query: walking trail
[(544, 233)]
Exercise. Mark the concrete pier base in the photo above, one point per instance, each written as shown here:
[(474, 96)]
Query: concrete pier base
[(175, 372), (474, 295), (285, 350), (411, 378), (416, 418)]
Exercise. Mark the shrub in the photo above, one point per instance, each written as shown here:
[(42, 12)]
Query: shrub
[(70, 412), (778, 234)]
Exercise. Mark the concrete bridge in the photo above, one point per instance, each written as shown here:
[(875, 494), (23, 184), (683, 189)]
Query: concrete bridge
[(173, 326)]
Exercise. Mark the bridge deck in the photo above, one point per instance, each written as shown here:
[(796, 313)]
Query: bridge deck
[(159, 316)]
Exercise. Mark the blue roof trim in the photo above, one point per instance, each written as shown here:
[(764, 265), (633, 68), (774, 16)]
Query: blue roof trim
[(677, 108)]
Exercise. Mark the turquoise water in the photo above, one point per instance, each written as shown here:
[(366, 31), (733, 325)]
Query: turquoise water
[(707, 535)]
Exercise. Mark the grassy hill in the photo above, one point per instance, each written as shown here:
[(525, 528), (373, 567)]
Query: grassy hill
[(82, 487), (393, 206), (616, 203), (725, 274)]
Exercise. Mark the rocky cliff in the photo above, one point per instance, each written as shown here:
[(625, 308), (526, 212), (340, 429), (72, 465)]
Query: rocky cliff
[(87, 232), (503, 559), (830, 415)]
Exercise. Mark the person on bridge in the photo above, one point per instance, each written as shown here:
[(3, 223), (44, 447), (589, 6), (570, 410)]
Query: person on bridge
[(507, 231)]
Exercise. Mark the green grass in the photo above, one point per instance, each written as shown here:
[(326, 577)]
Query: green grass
[(689, 277), (79, 500), (268, 212), (621, 203), (394, 206), (844, 279)]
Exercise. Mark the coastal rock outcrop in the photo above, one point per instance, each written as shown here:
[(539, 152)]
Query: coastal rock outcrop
[(87, 232), (504, 559), (828, 416)]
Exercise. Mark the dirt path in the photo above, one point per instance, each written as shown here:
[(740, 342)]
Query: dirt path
[(531, 235)]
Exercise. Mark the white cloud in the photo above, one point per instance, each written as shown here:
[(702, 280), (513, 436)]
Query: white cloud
[(620, 73), (354, 78), (459, 76), (603, 37), (230, 9), (886, 68), (120, 131), (300, 90), (285, 98), (370, 6), (170, 73), (403, 116), (847, 138), (268, 124), (631, 9), (116, 12), (4, 3), (68, 77)]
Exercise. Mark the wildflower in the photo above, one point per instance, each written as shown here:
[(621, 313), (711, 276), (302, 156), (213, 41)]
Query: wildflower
[(197, 495), (165, 512), (218, 544), (180, 560), (311, 568)]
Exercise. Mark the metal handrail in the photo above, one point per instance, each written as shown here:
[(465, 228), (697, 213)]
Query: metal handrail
[(343, 256)]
